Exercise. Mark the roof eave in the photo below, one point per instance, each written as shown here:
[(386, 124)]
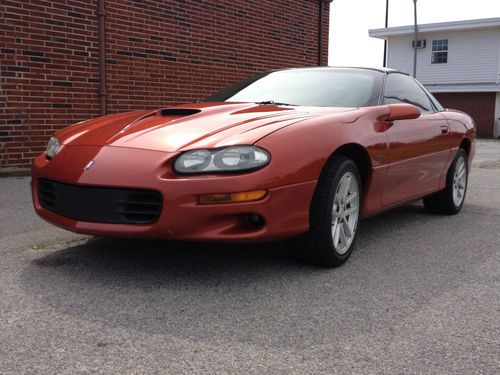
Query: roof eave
[(484, 23)]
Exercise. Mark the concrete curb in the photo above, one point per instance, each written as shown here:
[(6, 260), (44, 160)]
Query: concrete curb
[(15, 172)]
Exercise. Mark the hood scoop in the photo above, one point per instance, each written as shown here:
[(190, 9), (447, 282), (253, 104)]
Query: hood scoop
[(179, 112)]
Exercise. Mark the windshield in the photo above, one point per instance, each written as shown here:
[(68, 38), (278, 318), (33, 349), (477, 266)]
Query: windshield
[(308, 87)]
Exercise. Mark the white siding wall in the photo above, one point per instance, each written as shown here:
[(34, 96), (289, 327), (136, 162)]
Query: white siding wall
[(473, 57)]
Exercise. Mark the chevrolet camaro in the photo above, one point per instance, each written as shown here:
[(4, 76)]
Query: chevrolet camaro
[(301, 153)]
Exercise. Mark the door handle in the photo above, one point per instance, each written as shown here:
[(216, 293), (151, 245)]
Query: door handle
[(444, 129)]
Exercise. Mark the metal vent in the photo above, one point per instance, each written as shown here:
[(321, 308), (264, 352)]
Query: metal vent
[(100, 204), (179, 111), (421, 43)]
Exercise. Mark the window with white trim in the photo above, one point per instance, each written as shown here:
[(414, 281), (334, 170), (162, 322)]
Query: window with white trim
[(439, 51)]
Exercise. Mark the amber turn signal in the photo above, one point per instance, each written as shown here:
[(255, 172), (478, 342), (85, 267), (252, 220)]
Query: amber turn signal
[(247, 196)]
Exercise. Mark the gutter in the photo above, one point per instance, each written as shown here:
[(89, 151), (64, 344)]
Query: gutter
[(486, 23), (101, 31)]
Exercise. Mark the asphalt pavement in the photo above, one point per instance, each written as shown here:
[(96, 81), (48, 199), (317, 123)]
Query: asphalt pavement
[(420, 295)]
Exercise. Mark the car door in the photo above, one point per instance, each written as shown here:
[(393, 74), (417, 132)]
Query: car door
[(418, 149)]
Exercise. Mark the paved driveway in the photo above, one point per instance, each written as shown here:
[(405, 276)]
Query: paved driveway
[(420, 295)]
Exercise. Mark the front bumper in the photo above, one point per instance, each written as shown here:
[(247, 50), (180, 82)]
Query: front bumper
[(285, 209)]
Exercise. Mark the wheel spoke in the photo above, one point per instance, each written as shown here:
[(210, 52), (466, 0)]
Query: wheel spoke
[(335, 214), (336, 235), (461, 167), (337, 200), (350, 197), (334, 226), (344, 187), (350, 211), (352, 184), (343, 238), (461, 173), (347, 229)]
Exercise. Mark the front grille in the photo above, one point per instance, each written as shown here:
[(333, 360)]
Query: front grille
[(100, 204)]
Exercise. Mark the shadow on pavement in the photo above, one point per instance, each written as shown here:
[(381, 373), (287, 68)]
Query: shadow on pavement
[(148, 259), (211, 291), (131, 256)]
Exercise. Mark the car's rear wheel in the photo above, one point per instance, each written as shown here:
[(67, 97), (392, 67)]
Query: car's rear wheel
[(450, 200), (335, 215)]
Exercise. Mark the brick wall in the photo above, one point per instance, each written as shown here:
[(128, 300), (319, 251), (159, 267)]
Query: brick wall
[(48, 73), (158, 53), (480, 106)]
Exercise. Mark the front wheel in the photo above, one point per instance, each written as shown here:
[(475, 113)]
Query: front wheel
[(450, 200), (335, 215)]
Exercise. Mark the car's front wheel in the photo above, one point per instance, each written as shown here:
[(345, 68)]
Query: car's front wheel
[(450, 200), (335, 215)]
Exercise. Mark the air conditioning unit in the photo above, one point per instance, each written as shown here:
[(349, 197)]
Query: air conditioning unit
[(422, 43)]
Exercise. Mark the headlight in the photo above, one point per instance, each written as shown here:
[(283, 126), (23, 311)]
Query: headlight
[(52, 147), (227, 159)]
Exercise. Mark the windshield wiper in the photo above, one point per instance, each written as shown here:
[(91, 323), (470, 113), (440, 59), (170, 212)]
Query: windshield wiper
[(272, 102)]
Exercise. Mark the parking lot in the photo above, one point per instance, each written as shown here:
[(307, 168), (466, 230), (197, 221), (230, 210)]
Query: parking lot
[(420, 295)]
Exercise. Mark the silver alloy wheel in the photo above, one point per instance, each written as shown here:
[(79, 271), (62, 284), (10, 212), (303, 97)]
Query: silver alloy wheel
[(459, 181), (345, 213)]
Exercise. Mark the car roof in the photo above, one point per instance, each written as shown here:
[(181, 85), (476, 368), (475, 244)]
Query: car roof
[(378, 69)]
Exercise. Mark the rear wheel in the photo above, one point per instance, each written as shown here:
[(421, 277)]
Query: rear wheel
[(335, 214), (450, 200)]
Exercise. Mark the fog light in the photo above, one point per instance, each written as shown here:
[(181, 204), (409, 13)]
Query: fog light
[(247, 196), (256, 219)]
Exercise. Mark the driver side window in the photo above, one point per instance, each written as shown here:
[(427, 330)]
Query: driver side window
[(400, 88)]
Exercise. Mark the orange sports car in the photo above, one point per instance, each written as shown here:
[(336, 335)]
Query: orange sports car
[(298, 153)]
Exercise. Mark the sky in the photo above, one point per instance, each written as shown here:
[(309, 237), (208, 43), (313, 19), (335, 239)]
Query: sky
[(350, 21)]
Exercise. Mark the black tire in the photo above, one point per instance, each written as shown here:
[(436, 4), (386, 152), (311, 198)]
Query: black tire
[(443, 201), (317, 246)]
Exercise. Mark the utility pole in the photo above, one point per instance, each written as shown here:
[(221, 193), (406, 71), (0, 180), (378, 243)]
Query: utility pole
[(415, 40), (386, 24)]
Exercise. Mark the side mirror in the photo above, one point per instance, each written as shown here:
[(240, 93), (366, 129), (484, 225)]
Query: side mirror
[(402, 111)]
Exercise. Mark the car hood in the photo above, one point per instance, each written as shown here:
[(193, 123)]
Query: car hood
[(200, 125)]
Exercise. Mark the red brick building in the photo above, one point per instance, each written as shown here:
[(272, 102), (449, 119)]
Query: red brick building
[(68, 60), (479, 105)]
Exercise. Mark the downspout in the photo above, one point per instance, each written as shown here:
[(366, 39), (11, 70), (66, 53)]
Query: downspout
[(101, 31), (320, 32)]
